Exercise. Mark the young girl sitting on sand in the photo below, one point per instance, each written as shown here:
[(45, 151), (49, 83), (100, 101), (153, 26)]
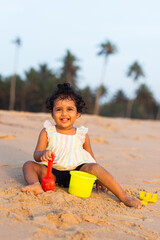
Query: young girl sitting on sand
[(71, 147)]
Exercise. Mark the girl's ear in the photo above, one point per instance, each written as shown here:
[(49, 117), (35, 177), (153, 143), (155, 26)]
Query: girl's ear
[(78, 115)]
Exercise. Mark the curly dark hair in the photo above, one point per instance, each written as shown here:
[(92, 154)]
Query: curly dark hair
[(65, 91)]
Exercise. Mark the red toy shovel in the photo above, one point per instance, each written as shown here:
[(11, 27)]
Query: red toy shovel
[(48, 182)]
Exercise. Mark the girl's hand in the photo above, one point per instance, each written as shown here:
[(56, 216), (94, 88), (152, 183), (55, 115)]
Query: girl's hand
[(47, 156), (99, 185)]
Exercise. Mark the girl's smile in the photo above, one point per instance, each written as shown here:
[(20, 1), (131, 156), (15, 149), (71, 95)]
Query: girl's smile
[(65, 114)]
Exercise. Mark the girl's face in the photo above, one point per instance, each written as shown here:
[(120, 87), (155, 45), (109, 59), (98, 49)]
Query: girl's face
[(65, 113)]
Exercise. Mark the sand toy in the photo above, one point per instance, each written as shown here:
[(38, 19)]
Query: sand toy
[(48, 182), (148, 197), (81, 184)]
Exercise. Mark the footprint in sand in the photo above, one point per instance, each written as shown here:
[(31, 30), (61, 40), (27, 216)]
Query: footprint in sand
[(99, 140), (8, 137)]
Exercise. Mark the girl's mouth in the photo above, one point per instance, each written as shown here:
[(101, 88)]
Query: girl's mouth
[(64, 120)]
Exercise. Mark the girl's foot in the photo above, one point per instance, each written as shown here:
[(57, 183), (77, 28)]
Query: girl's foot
[(36, 188), (132, 202)]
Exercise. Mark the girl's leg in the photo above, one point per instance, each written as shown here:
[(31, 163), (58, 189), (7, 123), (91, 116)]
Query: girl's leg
[(33, 174), (110, 183)]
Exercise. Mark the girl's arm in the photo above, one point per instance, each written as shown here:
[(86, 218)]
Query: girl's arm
[(87, 146), (40, 153)]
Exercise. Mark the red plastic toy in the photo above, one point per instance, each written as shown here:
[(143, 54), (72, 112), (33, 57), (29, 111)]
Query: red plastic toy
[(48, 182)]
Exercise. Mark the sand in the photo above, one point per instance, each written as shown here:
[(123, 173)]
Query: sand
[(128, 149)]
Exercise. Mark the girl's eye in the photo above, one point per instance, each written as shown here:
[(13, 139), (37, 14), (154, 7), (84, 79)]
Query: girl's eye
[(58, 109), (70, 109)]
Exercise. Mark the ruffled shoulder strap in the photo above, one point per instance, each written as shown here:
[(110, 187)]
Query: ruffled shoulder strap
[(81, 132), (50, 128)]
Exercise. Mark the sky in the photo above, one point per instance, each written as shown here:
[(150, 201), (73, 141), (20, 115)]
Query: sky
[(49, 28)]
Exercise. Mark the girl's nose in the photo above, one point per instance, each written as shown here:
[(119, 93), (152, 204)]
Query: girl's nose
[(64, 112)]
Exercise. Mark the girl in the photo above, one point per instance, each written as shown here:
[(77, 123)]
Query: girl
[(71, 147)]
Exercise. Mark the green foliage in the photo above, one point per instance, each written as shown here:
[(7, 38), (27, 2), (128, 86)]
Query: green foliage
[(107, 48), (135, 71), (4, 92), (39, 84), (116, 107), (69, 69), (145, 104), (89, 98)]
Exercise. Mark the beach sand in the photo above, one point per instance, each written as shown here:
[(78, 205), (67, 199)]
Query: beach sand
[(128, 149)]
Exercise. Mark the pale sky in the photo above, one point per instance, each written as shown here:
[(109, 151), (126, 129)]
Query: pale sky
[(48, 28)]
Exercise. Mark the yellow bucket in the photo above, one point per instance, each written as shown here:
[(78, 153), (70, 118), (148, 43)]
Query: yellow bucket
[(81, 184)]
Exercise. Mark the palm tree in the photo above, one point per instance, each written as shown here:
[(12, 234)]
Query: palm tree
[(17, 42), (120, 96), (69, 69), (145, 101), (89, 98), (118, 104), (106, 49), (135, 71), (39, 85)]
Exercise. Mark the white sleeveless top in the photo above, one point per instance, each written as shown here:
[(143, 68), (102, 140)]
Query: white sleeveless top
[(68, 149)]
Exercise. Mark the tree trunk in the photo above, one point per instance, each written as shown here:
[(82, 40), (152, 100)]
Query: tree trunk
[(129, 108), (13, 82), (99, 91), (12, 92), (97, 101)]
